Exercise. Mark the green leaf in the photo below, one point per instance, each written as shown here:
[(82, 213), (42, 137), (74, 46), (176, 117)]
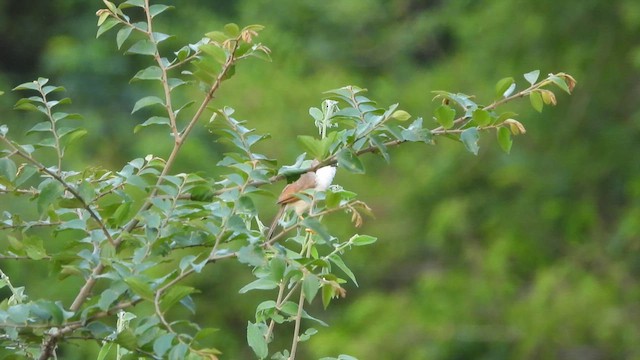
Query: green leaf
[(445, 115), (216, 52), (8, 169), (104, 351), (481, 117), (560, 82), (178, 352), (310, 287), (127, 339), (504, 139), (107, 25), (158, 9), (140, 287), (154, 120), (163, 343), (147, 101), (317, 227), (532, 76), (174, 295), (313, 146), (143, 47), (232, 30), (34, 248), (470, 138), (349, 161), (337, 260), (259, 284), (49, 192), (251, 255), (150, 73), (503, 85), (277, 266), (256, 340), (136, 3), (108, 297), (123, 35), (361, 240), (536, 100), (328, 292), (217, 36)]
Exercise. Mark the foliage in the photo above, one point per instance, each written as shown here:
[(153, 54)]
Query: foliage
[(123, 232)]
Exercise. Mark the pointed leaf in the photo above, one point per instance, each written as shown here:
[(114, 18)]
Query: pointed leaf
[(310, 287), (349, 161), (123, 35), (256, 340), (142, 47), (536, 100), (504, 139), (147, 101), (532, 76)]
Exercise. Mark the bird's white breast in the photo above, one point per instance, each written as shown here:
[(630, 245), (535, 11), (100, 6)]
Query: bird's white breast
[(324, 177)]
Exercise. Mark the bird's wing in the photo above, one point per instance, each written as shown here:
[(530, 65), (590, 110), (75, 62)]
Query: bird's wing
[(306, 181)]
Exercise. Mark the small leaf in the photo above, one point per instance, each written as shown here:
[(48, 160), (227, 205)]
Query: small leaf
[(349, 161), (50, 192), (142, 47), (259, 284), (313, 146), (251, 255), (256, 340), (123, 35), (445, 115), (107, 25), (340, 263), (361, 240), (232, 30), (140, 287), (216, 52), (127, 339), (503, 85), (470, 138), (536, 100), (310, 287), (562, 84), (328, 292), (154, 120), (158, 9), (147, 101), (108, 297), (504, 139), (163, 343), (217, 36), (174, 295), (532, 76), (481, 117), (317, 227), (150, 73), (8, 169)]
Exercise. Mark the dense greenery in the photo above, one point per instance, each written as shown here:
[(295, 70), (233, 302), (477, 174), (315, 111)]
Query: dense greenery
[(527, 255)]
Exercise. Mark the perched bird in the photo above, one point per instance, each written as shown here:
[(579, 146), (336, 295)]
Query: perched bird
[(319, 180)]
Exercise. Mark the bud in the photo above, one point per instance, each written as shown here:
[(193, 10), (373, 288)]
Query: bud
[(515, 126), (548, 97), (401, 115)]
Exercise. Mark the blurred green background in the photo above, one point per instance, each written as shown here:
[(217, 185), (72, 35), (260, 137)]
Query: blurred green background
[(532, 255)]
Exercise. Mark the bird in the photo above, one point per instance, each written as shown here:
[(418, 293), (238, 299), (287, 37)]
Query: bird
[(319, 180)]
